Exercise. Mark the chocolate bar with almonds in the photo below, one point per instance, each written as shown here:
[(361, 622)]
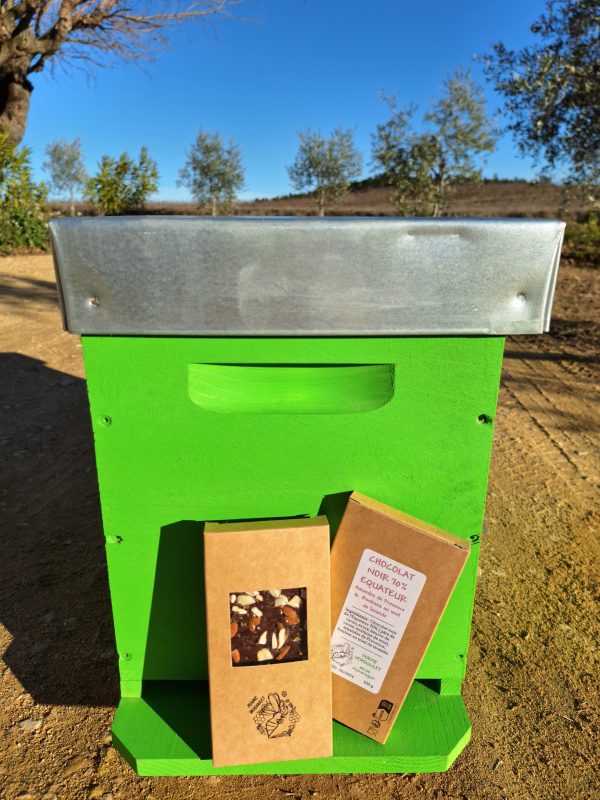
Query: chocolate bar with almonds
[(281, 712), (268, 626)]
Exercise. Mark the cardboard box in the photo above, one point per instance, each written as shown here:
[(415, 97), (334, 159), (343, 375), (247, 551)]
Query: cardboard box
[(268, 625), (392, 577)]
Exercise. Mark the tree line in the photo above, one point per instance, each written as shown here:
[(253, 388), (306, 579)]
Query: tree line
[(420, 166), (550, 92)]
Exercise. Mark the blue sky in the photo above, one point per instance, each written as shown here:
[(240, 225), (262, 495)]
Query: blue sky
[(298, 64)]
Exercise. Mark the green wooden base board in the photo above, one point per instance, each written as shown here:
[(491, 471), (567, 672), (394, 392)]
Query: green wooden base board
[(167, 732)]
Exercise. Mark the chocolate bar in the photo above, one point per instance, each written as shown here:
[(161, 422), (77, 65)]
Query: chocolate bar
[(282, 713), (268, 626), (393, 578)]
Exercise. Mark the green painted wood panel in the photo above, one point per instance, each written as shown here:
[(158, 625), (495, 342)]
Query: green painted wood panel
[(166, 464), (275, 389), (166, 732)]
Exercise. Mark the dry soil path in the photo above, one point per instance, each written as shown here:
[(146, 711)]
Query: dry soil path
[(532, 687)]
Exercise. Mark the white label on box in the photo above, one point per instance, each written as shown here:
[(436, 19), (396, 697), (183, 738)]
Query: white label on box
[(378, 606)]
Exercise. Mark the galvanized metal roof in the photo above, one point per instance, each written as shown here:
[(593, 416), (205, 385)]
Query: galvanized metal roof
[(300, 276)]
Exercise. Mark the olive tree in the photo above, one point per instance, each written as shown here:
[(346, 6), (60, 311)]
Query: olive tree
[(423, 165), (38, 33), (325, 166), (551, 89), (213, 172), (460, 132), (66, 169), (122, 184), (406, 160)]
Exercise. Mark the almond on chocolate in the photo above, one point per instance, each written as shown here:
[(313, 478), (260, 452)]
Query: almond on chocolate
[(269, 625), (290, 615)]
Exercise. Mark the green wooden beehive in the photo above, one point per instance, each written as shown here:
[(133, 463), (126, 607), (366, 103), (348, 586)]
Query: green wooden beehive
[(263, 368)]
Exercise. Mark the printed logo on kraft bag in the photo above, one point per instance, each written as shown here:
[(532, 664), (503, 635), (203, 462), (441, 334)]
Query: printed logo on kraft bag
[(274, 716), (342, 654), (381, 715)]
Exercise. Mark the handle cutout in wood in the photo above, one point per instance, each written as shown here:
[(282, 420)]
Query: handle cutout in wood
[(295, 389)]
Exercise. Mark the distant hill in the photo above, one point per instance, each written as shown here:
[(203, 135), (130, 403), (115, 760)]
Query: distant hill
[(485, 199)]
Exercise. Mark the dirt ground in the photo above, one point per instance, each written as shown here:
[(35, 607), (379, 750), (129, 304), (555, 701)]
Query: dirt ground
[(532, 685)]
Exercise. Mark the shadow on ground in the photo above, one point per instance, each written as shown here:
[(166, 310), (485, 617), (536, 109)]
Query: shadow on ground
[(54, 597), (14, 290)]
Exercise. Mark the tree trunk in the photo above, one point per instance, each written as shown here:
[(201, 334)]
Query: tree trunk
[(321, 204), (440, 204), (214, 205), (15, 94), (72, 204), (441, 185)]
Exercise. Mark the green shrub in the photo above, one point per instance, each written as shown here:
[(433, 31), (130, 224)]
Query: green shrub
[(582, 243), (22, 202), (123, 185)]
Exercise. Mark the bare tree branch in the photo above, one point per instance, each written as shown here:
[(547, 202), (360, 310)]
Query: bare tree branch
[(34, 33)]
